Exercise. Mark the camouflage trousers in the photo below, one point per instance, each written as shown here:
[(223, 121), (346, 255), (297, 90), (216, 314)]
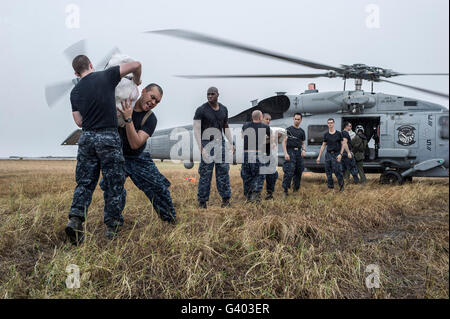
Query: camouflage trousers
[(146, 176), (293, 169), (349, 166), (251, 175), (99, 150), (271, 180), (333, 166), (222, 174)]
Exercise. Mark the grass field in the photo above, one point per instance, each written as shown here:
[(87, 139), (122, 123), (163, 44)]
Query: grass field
[(315, 244)]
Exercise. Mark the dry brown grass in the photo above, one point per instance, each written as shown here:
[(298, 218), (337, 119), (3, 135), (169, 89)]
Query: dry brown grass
[(315, 244)]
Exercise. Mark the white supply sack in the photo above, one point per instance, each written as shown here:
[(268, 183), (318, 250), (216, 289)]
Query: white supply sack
[(126, 89)]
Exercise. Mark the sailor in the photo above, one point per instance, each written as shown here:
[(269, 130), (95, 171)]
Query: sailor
[(254, 134), (99, 146), (335, 145), (210, 121), (359, 149), (271, 150), (294, 152), (139, 165), (348, 160)]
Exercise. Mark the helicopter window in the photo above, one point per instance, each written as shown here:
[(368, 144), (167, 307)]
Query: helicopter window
[(315, 134), (410, 103), (443, 122)]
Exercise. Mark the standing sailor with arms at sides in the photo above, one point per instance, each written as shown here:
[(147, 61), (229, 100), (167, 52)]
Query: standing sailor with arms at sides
[(294, 151), (335, 144), (213, 117), (254, 147)]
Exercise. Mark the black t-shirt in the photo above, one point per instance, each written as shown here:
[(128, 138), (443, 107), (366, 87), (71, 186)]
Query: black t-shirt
[(333, 141), (210, 118), (252, 136), (295, 137), (346, 135), (149, 128), (94, 98)]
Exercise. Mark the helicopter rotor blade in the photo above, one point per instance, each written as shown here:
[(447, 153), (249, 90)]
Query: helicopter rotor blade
[(398, 74), (292, 76), (75, 49), (54, 92), (104, 62), (189, 35), (418, 89)]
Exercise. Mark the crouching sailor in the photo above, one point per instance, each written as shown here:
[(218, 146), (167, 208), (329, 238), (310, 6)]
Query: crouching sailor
[(139, 165)]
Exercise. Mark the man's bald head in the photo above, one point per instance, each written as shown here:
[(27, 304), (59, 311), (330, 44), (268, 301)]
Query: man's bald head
[(212, 95), (213, 89), (257, 116)]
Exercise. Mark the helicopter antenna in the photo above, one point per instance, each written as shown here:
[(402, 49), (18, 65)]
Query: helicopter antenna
[(358, 84)]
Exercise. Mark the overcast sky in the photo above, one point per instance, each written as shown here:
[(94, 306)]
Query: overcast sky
[(410, 36)]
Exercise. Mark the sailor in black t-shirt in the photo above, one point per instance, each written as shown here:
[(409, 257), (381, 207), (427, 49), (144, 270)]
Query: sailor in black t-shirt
[(210, 121), (348, 161), (254, 134), (294, 151), (335, 145), (139, 165), (99, 146)]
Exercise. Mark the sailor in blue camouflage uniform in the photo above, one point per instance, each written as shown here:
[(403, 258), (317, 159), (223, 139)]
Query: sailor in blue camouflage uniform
[(348, 160), (294, 152), (271, 150), (335, 144), (210, 121), (99, 146), (140, 123), (254, 146)]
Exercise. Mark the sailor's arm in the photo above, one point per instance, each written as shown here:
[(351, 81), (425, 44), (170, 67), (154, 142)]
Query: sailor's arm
[(134, 67), (135, 139), (322, 148), (77, 118)]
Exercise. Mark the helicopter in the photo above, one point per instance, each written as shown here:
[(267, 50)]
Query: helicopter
[(407, 137)]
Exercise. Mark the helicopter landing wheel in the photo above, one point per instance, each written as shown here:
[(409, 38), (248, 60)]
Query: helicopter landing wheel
[(391, 178)]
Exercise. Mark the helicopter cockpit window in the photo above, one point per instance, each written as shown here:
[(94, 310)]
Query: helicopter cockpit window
[(443, 123), (315, 134)]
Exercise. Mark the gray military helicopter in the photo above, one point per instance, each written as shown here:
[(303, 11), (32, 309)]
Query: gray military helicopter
[(407, 137)]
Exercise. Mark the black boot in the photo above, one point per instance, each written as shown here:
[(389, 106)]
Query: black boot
[(269, 196), (202, 205), (112, 231), (74, 230), (226, 202)]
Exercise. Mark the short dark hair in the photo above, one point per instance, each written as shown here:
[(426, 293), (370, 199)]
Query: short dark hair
[(346, 123), (298, 114), (80, 63), (152, 85), (331, 119)]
